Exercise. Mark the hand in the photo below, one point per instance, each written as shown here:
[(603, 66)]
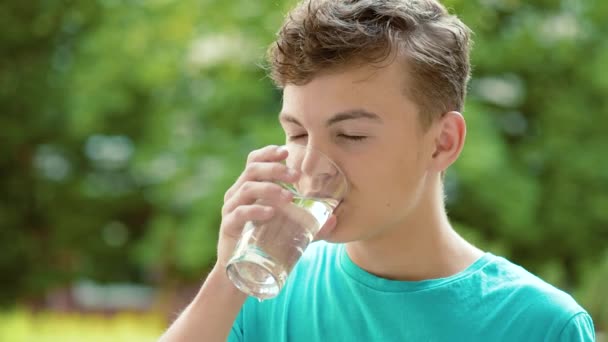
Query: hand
[(242, 201)]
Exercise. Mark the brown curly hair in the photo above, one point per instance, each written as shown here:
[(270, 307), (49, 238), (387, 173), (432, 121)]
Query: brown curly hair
[(328, 35)]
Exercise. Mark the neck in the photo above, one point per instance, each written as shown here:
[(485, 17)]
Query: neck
[(425, 246)]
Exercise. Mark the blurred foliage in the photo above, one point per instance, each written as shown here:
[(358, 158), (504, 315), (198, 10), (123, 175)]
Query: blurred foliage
[(124, 122), (21, 326)]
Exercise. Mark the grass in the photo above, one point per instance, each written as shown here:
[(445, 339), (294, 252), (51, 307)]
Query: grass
[(22, 326)]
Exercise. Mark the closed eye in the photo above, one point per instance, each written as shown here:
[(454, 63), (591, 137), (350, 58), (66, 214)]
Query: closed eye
[(352, 137), (342, 136), (296, 137)]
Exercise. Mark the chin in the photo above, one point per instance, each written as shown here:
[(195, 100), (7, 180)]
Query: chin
[(343, 232)]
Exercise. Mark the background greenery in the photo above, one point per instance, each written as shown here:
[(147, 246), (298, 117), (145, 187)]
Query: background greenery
[(123, 122)]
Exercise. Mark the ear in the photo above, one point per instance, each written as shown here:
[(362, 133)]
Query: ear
[(449, 135)]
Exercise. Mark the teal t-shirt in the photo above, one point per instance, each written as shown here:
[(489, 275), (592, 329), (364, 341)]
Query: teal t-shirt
[(329, 298)]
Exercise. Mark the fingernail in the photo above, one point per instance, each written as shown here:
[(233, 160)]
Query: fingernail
[(292, 173), (286, 194), (281, 149)]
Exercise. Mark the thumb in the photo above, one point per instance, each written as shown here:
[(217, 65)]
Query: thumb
[(327, 228)]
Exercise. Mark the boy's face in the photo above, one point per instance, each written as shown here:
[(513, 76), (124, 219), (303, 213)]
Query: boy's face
[(363, 121)]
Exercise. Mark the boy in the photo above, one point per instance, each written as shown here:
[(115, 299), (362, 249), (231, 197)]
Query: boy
[(378, 86)]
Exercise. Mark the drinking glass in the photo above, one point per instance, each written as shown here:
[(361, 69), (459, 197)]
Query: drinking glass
[(267, 251)]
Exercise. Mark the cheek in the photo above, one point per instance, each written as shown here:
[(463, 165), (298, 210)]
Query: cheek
[(386, 188), (381, 192), (393, 183)]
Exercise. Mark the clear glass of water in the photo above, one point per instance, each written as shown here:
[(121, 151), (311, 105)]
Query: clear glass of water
[(267, 251)]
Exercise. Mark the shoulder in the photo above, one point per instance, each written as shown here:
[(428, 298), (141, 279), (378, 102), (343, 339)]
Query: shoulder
[(516, 280), (530, 301)]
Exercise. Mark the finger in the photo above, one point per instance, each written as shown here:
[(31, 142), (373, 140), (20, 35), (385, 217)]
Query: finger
[(327, 228), (232, 224), (272, 153), (251, 191), (263, 171), (269, 171), (267, 154)]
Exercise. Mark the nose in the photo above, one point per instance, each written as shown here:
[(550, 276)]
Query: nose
[(317, 172)]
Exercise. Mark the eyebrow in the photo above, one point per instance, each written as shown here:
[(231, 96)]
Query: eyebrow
[(352, 114)]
